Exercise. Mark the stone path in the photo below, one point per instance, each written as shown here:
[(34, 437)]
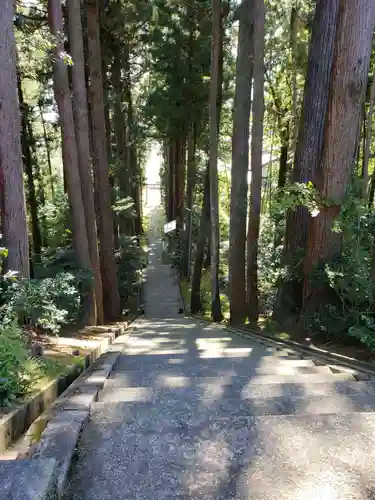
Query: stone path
[(194, 413)]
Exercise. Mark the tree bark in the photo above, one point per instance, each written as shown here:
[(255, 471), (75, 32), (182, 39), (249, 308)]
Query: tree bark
[(48, 152), (348, 84), (28, 165), (190, 186), (132, 145), (256, 163), (83, 146), (13, 211), (367, 139), (111, 298), (240, 167), (195, 299), (308, 151), (213, 160), (69, 148)]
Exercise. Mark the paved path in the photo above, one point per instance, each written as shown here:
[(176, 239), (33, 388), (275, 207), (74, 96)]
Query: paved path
[(193, 413)]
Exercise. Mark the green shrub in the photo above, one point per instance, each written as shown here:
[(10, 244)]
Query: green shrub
[(46, 303), (131, 259), (13, 356)]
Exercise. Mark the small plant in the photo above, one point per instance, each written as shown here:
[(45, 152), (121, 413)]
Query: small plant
[(13, 357)]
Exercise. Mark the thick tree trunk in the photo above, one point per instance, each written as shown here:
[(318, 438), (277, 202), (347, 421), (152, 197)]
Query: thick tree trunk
[(83, 146), (256, 162), (69, 149), (111, 298), (348, 84), (308, 150), (195, 299), (28, 165), (13, 211), (240, 167), (213, 160)]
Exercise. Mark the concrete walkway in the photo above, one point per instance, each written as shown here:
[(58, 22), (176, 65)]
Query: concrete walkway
[(194, 413)]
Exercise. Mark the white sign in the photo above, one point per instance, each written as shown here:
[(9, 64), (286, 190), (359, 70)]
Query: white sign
[(169, 227)]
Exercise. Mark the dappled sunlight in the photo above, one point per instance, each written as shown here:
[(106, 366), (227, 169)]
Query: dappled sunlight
[(170, 381)]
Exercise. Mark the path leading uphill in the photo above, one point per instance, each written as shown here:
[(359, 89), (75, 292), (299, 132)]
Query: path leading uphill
[(194, 413)]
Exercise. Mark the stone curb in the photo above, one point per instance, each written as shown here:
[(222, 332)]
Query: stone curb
[(14, 424), (361, 370), (66, 418)]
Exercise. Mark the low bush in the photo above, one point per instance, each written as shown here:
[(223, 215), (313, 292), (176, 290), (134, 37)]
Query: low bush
[(131, 260), (18, 370), (44, 304)]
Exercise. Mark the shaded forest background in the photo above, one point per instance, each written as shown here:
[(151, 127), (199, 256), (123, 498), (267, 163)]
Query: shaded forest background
[(263, 113)]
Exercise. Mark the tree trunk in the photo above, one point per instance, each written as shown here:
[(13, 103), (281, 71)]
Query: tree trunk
[(195, 299), (240, 167), (180, 194), (190, 186), (132, 146), (28, 165), (48, 153), (83, 146), (256, 162), (293, 49), (14, 224), (367, 139), (308, 151), (348, 84), (108, 136), (283, 162), (111, 298), (69, 149), (121, 136), (213, 160)]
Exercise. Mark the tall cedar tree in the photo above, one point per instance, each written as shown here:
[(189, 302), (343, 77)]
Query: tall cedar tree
[(111, 298), (13, 210), (256, 162), (83, 145), (308, 151), (348, 85), (69, 148), (240, 164), (28, 162), (213, 159)]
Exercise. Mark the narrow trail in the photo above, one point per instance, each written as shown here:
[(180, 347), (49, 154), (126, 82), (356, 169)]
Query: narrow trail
[(194, 413)]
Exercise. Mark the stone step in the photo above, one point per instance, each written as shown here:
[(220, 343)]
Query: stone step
[(187, 407), (267, 365), (189, 373), (224, 387), (260, 458)]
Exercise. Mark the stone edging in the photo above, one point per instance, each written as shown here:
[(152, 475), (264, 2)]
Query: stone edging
[(14, 424), (67, 417), (367, 369)]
